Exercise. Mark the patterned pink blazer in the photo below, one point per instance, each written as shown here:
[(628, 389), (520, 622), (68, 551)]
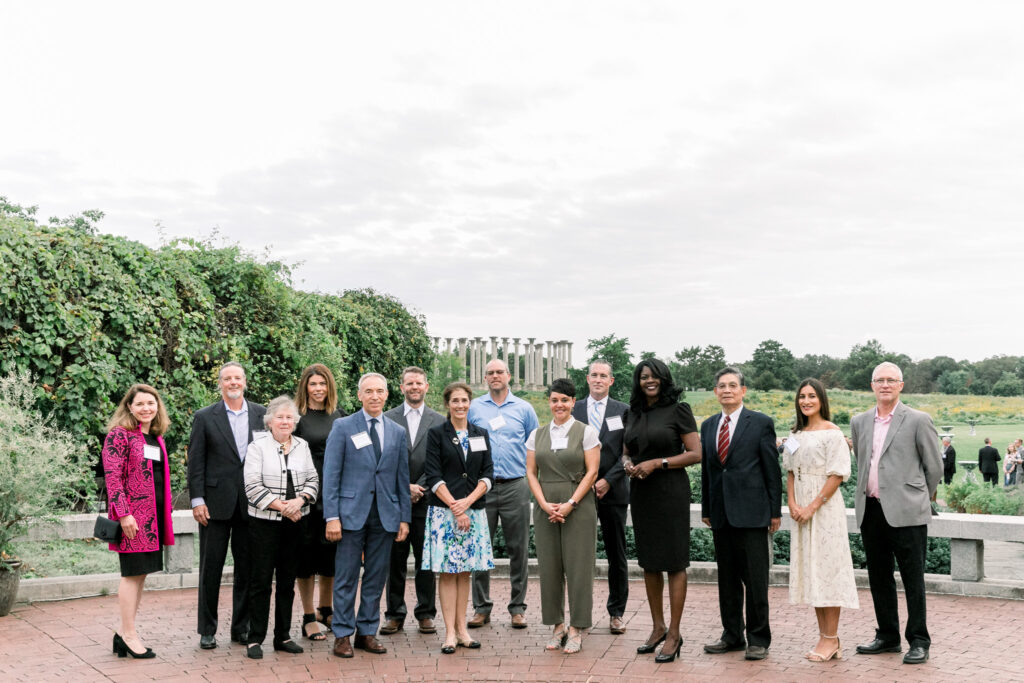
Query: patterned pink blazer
[(129, 478)]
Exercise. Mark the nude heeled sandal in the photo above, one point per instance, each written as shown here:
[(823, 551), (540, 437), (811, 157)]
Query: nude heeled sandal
[(835, 654)]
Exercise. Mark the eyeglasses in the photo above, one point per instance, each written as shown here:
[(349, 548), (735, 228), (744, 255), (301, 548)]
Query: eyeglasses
[(882, 381)]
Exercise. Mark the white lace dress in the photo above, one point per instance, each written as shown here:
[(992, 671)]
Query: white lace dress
[(820, 566)]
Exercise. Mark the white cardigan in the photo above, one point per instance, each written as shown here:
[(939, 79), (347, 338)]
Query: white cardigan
[(266, 475)]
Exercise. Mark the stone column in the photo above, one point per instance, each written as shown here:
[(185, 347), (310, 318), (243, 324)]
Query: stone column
[(570, 355), (481, 353), (461, 352), (504, 352), (515, 361), (528, 363), (448, 345), (494, 349), (547, 375)]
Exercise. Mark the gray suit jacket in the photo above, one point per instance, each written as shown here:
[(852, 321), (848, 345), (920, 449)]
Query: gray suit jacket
[(909, 469), (417, 447)]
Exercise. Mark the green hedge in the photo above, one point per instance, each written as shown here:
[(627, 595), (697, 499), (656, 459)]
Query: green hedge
[(89, 314)]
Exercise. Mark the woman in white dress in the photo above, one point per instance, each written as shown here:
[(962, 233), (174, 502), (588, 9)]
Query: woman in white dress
[(817, 460)]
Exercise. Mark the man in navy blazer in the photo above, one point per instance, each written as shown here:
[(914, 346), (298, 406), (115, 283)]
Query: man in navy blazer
[(606, 415), (221, 433), (741, 500), (367, 507)]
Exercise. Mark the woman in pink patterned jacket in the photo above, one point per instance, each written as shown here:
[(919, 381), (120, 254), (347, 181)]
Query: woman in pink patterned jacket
[(139, 493)]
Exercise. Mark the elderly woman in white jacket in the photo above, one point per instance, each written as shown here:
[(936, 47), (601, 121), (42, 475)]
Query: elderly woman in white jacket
[(280, 483)]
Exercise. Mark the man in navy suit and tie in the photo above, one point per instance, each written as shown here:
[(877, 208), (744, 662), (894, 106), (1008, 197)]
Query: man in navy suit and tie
[(606, 415), (367, 507), (741, 500)]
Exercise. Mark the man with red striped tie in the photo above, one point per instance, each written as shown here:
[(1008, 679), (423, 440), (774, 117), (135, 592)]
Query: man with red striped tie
[(741, 500)]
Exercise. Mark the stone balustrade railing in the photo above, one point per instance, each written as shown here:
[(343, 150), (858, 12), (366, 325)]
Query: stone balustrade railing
[(967, 534), (532, 364)]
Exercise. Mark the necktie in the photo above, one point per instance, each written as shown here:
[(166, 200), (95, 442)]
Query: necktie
[(375, 438), (595, 415), (723, 440)]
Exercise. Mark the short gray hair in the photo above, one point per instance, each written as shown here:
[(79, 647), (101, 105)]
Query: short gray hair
[(275, 407), (889, 365), (370, 375), (729, 370), (229, 364)]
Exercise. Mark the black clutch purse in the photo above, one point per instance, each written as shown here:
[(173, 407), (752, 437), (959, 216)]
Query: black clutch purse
[(107, 530)]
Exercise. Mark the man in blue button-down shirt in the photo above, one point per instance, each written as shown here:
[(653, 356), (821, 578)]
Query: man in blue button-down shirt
[(509, 421)]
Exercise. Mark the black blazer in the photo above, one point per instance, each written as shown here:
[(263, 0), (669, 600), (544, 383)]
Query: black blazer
[(214, 466), (611, 451), (949, 460), (745, 492), (417, 447), (444, 463), (987, 459)]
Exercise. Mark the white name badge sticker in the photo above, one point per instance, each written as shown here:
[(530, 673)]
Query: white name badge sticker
[(559, 443), (792, 444), (477, 444), (152, 453), (257, 435), (361, 440), (614, 423), (497, 423)]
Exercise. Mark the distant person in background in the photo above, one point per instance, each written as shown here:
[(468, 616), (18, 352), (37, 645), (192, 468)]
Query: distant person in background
[(138, 481), (988, 463), (949, 460), (417, 418), (317, 400), (1019, 470), (1009, 465)]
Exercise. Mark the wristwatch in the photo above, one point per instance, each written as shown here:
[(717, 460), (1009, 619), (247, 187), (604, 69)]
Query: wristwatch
[(664, 463), (573, 503)]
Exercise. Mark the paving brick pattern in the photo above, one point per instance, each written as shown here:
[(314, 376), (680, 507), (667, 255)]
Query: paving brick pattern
[(71, 641)]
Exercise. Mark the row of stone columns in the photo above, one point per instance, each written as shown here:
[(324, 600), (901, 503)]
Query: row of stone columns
[(542, 362)]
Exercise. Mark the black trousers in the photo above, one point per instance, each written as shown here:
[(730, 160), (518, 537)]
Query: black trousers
[(947, 476), (908, 546), (991, 477), (613, 531), (743, 558), (426, 607), (213, 549), (275, 549)]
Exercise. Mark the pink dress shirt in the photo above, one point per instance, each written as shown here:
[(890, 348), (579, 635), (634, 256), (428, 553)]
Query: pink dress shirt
[(877, 441)]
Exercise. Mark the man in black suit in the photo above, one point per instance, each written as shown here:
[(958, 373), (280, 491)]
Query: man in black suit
[(988, 459), (741, 500), (948, 460), (606, 415), (216, 454), (417, 419)]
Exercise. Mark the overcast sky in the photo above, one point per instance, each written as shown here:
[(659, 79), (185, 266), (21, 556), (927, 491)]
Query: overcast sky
[(676, 173)]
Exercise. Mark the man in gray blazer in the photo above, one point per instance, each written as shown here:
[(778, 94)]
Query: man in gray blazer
[(417, 419), (899, 467)]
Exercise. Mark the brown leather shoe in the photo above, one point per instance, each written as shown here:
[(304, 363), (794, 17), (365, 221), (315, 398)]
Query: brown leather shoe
[(370, 644), (426, 626), (479, 620), (391, 626), (616, 625), (518, 621), (343, 648)]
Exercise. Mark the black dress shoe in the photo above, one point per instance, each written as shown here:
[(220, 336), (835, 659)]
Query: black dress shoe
[(207, 642), (916, 655), (721, 647), (254, 651), (877, 647), (648, 648), (447, 649), (240, 638), (756, 652), (289, 646), (664, 656)]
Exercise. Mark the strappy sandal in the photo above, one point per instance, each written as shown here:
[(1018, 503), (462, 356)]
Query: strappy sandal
[(311, 619), (837, 653), (557, 640), (326, 616), (573, 643)]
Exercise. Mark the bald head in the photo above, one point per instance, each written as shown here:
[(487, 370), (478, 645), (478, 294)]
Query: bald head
[(497, 378)]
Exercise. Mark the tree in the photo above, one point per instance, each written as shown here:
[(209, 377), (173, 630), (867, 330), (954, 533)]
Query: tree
[(1008, 385), (615, 352), (775, 364), (695, 367), (924, 378), (954, 381), (822, 367), (855, 372), (991, 370)]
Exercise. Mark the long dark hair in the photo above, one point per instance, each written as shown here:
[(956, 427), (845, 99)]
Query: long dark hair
[(819, 389), (669, 392)]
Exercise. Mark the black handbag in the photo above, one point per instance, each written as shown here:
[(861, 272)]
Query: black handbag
[(107, 530)]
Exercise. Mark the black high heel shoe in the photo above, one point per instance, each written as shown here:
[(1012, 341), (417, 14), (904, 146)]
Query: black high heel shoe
[(663, 656), (121, 649), (648, 648)]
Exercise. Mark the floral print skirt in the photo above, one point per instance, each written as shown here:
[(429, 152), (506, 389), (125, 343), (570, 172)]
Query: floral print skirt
[(448, 550)]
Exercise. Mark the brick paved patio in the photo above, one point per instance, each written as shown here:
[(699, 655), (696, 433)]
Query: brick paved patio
[(70, 641)]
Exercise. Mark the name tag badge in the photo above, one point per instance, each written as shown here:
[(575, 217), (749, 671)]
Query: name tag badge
[(559, 443), (257, 435), (791, 445), (477, 444), (152, 453), (361, 440), (497, 423), (614, 423)]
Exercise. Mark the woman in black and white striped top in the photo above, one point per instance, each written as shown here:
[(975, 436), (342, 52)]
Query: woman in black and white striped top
[(280, 483)]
